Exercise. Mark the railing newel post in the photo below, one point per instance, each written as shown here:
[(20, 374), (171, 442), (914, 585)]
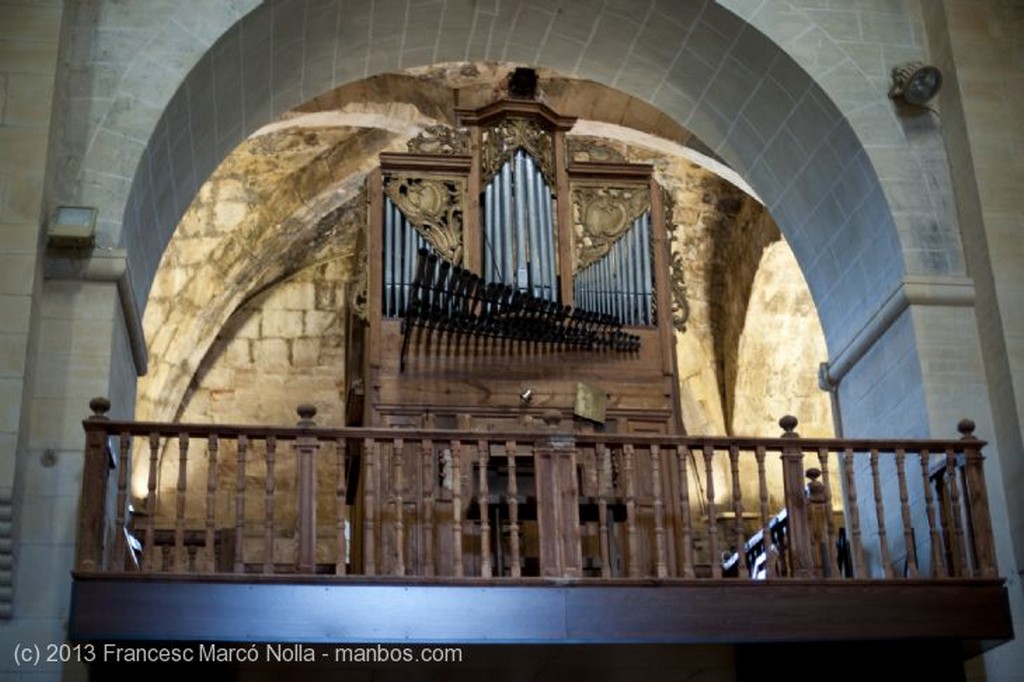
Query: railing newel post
[(982, 540), (306, 446), (92, 505), (801, 558)]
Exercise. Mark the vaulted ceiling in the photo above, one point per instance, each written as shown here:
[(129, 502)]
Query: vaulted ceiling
[(291, 196)]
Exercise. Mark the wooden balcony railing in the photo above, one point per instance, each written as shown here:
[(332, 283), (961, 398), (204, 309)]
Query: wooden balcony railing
[(459, 504)]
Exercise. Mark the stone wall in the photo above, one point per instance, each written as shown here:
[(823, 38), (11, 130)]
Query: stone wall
[(284, 347)]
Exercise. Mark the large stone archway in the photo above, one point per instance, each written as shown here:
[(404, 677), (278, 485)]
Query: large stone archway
[(794, 105), (698, 63), (800, 114)]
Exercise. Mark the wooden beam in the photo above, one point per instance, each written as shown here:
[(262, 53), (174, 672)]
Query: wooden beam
[(136, 607)]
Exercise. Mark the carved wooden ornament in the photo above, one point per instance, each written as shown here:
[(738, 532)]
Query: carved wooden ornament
[(601, 215), (434, 206), (502, 140), (440, 139)]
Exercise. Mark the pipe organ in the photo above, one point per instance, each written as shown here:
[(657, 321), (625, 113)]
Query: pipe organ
[(541, 273), (510, 286)]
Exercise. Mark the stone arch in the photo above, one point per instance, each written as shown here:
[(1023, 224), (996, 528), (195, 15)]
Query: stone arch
[(699, 64)]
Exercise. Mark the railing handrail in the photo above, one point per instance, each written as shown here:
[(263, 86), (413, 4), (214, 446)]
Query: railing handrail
[(289, 433)]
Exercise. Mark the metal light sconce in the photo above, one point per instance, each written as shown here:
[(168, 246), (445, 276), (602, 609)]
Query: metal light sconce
[(72, 227), (915, 83)]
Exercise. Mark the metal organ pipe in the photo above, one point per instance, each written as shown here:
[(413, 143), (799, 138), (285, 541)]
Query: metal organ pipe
[(522, 280), (635, 273), (490, 251), (647, 297), (534, 229), (401, 244), (519, 228), (507, 226), (545, 267), (620, 283)]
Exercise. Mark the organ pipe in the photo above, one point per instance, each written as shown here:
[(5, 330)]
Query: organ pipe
[(519, 229), (619, 283)]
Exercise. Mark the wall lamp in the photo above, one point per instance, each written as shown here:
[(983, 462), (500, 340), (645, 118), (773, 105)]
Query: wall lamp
[(915, 83), (72, 227)]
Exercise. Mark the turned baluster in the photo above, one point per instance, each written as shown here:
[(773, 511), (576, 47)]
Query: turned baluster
[(960, 567), (831, 535), (268, 506), (398, 504), (604, 477), (633, 541), (456, 447), (371, 454), (883, 541), (908, 528), (180, 555), (341, 505), (149, 547), (860, 564), (709, 473), (96, 469), (977, 502), (682, 457), (737, 510), (240, 484), (429, 502), (938, 565), (768, 547), (211, 502), (590, 490), (659, 513), (482, 456), (512, 498), (122, 503), (801, 559)]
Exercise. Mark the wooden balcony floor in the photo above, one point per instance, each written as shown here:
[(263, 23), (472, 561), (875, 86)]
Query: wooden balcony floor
[(325, 609)]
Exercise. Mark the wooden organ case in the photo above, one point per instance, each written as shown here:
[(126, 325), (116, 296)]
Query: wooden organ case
[(499, 210)]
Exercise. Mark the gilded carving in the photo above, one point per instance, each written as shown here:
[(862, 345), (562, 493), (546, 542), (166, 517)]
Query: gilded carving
[(588, 149), (601, 215), (434, 206), (677, 282), (440, 139), (501, 141)]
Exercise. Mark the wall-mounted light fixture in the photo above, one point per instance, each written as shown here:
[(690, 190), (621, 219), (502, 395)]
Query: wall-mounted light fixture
[(915, 83), (72, 227)]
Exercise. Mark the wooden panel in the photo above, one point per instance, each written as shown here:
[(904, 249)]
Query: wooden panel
[(140, 608), (558, 521), (482, 373)]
